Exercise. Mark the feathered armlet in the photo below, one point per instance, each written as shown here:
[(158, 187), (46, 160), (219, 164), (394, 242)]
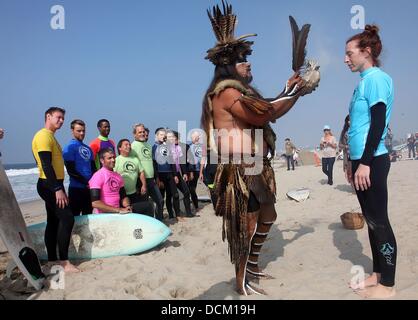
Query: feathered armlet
[(256, 105)]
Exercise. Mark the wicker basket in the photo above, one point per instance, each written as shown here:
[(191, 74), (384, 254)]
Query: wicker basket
[(352, 220)]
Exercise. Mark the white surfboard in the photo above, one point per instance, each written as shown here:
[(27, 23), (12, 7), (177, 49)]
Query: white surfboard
[(106, 235), (15, 236), (299, 195)]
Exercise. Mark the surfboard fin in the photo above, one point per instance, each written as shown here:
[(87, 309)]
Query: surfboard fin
[(30, 261)]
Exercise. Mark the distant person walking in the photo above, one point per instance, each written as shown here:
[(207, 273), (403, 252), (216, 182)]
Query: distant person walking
[(416, 143), (328, 145), (1, 136), (411, 145), (290, 150), (389, 141)]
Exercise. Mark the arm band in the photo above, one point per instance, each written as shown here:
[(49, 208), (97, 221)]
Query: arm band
[(46, 163), (95, 194), (377, 126), (122, 193)]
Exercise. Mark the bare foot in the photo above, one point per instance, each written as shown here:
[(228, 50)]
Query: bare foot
[(248, 289), (371, 281), (68, 267), (377, 292), (180, 219)]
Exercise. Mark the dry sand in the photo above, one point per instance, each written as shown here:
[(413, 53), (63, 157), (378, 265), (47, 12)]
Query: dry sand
[(307, 251)]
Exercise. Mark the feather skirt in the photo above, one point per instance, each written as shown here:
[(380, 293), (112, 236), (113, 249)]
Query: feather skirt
[(233, 189)]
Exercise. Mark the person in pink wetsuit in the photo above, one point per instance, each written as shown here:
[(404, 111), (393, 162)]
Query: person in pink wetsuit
[(107, 190)]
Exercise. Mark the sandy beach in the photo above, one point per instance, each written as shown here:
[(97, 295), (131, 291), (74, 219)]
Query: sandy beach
[(308, 251)]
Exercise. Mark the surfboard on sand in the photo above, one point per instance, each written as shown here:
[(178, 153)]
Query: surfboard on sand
[(15, 236), (299, 195), (106, 235)]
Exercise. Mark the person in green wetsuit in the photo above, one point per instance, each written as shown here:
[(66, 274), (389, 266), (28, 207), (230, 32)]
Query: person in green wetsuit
[(143, 151), (131, 169)]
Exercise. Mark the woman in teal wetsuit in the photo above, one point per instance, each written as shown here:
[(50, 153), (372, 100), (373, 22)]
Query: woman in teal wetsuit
[(370, 112)]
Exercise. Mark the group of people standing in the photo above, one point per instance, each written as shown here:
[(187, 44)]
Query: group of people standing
[(177, 167), (101, 181)]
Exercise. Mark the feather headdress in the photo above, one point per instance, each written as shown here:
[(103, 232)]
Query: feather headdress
[(228, 49)]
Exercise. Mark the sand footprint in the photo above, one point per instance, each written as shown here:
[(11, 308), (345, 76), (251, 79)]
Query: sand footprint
[(141, 291), (202, 260), (179, 292)]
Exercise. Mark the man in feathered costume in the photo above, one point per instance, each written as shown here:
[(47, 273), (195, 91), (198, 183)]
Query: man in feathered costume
[(245, 195)]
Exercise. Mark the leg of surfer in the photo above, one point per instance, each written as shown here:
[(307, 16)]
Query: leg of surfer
[(58, 228), (51, 229)]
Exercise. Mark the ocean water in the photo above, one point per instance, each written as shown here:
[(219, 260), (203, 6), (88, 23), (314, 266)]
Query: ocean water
[(23, 178)]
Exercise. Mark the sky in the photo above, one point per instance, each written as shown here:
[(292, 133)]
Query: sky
[(143, 61)]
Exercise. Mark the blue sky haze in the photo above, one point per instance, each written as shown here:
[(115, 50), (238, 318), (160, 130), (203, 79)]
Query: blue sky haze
[(143, 61)]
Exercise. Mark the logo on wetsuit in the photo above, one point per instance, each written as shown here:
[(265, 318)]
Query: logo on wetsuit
[(146, 153), (163, 151), (198, 152), (113, 184), (84, 152), (387, 251), (129, 166)]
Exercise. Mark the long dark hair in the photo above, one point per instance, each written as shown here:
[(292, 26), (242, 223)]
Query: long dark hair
[(221, 73)]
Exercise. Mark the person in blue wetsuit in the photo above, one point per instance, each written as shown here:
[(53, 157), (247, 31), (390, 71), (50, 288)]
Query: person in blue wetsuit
[(370, 111), (80, 165), (194, 162), (166, 171)]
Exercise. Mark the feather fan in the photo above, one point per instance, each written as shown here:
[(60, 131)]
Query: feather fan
[(299, 38)]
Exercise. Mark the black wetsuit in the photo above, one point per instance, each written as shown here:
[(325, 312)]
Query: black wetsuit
[(374, 201), (60, 221)]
